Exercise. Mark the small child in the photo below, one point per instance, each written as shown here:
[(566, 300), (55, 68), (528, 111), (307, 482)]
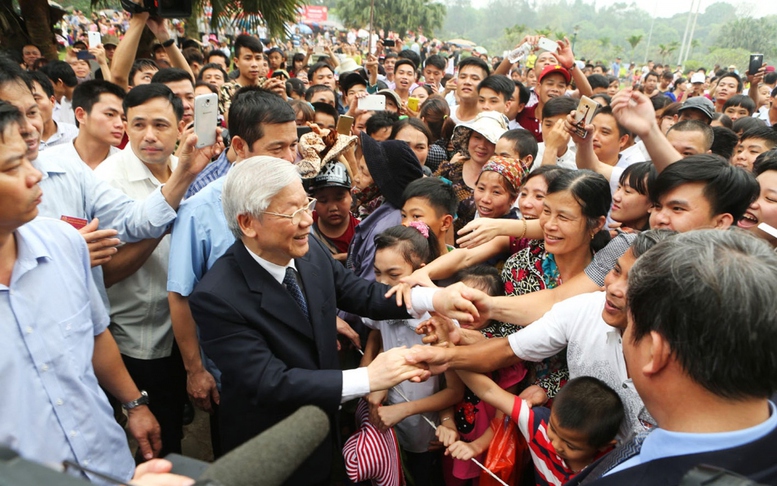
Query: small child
[(468, 434), (398, 251), (432, 201), (581, 427)]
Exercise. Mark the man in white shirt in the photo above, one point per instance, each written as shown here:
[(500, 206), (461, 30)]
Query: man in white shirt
[(53, 133), (136, 276), (472, 71), (64, 80)]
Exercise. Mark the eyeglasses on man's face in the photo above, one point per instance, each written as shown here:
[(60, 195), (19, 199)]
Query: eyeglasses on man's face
[(296, 216)]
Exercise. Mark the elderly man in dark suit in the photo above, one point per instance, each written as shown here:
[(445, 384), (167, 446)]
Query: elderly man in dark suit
[(266, 314)]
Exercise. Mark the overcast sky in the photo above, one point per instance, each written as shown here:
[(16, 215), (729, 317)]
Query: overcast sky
[(667, 8)]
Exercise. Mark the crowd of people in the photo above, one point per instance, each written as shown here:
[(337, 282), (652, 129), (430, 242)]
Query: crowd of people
[(425, 243)]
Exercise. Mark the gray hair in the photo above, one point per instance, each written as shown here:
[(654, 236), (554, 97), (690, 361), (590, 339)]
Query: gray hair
[(251, 185), (711, 295)]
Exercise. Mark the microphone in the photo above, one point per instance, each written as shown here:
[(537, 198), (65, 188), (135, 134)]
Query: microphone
[(271, 457)]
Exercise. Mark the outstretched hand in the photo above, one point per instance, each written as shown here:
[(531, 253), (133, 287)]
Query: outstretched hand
[(634, 111)]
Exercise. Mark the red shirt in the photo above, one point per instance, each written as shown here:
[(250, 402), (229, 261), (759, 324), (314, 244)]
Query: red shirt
[(342, 241), (529, 121)]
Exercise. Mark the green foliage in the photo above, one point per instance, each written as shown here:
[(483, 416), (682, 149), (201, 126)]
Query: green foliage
[(604, 32), (396, 15)]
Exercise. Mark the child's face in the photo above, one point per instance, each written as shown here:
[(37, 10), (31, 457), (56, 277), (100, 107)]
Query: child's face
[(736, 112), (492, 198), (747, 151), (390, 266), (570, 445), (419, 209)]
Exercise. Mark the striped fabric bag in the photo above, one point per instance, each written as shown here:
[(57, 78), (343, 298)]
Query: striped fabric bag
[(371, 454)]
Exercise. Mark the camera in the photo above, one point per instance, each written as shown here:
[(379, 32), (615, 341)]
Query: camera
[(167, 9)]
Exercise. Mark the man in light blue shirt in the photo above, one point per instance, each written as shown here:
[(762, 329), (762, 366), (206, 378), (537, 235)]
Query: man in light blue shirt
[(55, 352)]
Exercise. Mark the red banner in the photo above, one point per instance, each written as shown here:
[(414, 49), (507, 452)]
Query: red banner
[(314, 13)]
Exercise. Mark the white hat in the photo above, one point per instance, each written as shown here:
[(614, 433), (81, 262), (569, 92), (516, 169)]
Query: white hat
[(698, 78), (347, 65), (490, 124)]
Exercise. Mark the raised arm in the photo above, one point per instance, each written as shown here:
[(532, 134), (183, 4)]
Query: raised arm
[(585, 158), (127, 49), (634, 111), (158, 27)]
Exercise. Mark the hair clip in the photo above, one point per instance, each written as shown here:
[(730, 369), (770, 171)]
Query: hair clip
[(422, 227)]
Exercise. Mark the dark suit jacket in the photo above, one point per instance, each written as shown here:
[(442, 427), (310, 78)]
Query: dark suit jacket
[(756, 460), (271, 358)]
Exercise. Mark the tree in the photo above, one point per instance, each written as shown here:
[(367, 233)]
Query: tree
[(35, 25), (754, 35), (275, 13), (634, 41), (393, 15)]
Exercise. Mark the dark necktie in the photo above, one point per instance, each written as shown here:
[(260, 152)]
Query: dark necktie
[(616, 457), (290, 282)]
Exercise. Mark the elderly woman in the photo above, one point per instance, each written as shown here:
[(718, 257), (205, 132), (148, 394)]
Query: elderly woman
[(475, 143)]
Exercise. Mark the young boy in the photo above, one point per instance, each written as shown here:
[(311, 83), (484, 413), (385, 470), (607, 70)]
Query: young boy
[(432, 201), (580, 428), (517, 144), (753, 143), (739, 106)]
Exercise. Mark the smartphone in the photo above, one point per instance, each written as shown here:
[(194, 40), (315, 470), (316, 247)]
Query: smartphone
[(389, 43), (84, 56), (344, 125), (412, 103), (547, 44), (756, 61), (302, 131), (584, 115), (206, 113), (372, 103), (94, 40)]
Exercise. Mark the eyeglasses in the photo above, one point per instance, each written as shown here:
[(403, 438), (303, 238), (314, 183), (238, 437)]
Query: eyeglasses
[(296, 216)]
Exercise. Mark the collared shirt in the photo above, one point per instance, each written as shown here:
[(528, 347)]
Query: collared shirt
[(70, 188), (140, 315), (593, 349), (662, 443), (63, 111), (200, 236), (636, 153), (65, 133), (356, 382), (51, 312), (566, 161), (216, 169)]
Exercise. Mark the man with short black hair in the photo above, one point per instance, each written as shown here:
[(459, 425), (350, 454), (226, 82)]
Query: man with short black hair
[(30, 53), (320, 94), (471, 71), (53, 133), (650, 85), (219, 57), (434, 70), (691, 137), (64, 81), (495, 93), (182, 84), (98, 113)]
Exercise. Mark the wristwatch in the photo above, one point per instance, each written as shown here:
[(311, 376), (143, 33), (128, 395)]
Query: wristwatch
[(143, 400), (168, 42)]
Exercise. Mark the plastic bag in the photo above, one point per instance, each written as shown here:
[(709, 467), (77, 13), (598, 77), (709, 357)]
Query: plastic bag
[(507, 455)]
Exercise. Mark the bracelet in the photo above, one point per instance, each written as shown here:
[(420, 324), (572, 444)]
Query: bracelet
[(444, 419), (168, 42), (525, 226)]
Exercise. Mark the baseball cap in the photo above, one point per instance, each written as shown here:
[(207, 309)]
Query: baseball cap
[(699, 103), (554, 68), (698, 78), (333, 174)]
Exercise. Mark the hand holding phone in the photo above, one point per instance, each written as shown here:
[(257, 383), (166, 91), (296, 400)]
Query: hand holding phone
[(94, 40), (548, 45), (344, 124), (756, 61), (206, 112), (584, 115), (372, 103)]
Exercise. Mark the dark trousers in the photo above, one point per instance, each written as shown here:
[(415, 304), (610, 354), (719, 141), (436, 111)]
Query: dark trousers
[(165, 381)]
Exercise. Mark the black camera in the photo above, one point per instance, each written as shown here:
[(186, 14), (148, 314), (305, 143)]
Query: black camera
[(168, 9)]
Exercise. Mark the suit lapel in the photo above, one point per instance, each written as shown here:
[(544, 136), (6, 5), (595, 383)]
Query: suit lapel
[(274, 300)]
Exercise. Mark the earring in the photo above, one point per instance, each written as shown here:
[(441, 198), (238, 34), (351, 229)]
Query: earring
[(592, 235)]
